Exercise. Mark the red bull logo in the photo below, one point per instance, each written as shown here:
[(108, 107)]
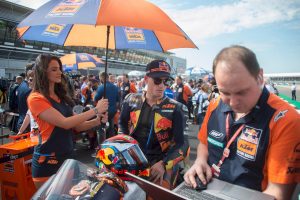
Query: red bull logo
[(161, 123), (251, 132), (133, 117), (250, 135), (164, 124), (163, 67), (104, 154)]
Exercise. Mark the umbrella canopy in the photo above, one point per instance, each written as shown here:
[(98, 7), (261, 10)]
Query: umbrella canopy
[(136, 24), (95, 36), (77, 61), (64, 21), (133, 13)]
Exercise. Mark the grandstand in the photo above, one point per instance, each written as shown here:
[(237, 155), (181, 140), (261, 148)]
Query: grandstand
[(15, 54), (284, 78)]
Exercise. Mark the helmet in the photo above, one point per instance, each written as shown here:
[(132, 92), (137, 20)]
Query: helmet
[(121, 154)]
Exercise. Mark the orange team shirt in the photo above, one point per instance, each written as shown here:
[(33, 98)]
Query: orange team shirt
[(37, 104), (187, 92), (84, 90), (282, 157), (133, 88)]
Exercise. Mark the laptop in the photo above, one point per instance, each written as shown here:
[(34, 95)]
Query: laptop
[(216, 190), (155, 191)]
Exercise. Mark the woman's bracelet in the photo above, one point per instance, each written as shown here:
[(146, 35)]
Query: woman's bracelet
[(96, 111)]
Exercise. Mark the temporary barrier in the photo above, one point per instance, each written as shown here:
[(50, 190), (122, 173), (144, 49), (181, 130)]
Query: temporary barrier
[(15, 169)]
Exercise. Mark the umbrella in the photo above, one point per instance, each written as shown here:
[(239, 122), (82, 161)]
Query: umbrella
[(135, 24), (77, 61)]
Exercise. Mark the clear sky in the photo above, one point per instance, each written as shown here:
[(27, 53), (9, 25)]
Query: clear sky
[(271, 28)]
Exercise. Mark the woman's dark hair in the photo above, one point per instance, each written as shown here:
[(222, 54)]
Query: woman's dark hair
[(41, 81)]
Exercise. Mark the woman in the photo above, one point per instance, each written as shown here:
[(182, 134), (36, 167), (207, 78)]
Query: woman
[(51, 106)]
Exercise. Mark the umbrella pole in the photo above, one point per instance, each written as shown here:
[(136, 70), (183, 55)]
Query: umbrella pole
[(106, 55), (102, 133)]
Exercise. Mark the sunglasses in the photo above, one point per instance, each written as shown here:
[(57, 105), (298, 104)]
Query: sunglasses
[(158, 81)]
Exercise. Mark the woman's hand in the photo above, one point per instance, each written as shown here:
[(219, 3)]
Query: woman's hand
[(104, 117), (102, 106)]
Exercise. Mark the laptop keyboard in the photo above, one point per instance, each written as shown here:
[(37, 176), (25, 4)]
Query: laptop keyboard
[(194, 194)]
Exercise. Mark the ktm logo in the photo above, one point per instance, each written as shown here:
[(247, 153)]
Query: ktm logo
[(246, 147), (293, 170), (52, 162), (168, 106)]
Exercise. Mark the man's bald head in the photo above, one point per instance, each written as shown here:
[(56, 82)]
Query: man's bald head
[(243, 54)]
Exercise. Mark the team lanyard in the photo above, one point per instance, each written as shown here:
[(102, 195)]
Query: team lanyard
[(216, 168)]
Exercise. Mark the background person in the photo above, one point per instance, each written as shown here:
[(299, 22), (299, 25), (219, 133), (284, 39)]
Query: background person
[(113, 97), (29, 120), (294, 88), (23, 92)]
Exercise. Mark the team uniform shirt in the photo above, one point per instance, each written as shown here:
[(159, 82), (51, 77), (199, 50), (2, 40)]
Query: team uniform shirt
[(266, 149), (37, 104), (182, 93), (55, 143)]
